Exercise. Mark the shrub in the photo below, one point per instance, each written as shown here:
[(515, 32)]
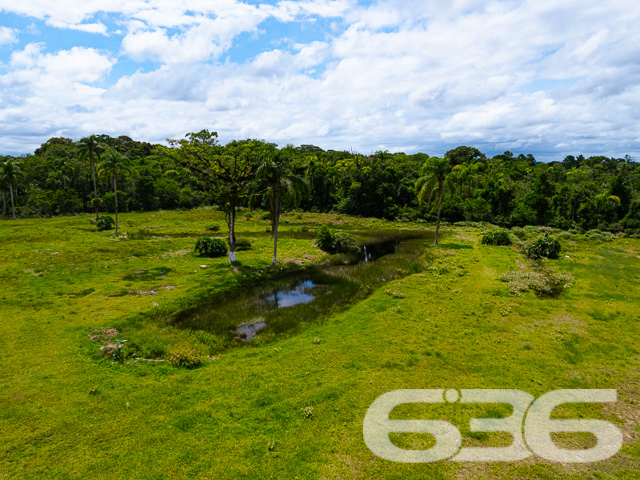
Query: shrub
[(599, 235), (324, 241), (243, 244), (345, 243), (214, 227), (497, 238), (210, 247), (184, 357), (340, 242), (105, 223), (544, 281), (546, 247), (519, 232)]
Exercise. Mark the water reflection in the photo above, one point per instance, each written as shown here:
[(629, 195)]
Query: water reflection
[(288, 298)]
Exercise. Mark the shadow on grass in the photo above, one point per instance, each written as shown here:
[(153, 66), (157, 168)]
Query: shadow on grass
[(456, 246)]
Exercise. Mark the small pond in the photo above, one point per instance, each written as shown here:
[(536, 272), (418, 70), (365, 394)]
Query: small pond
[(301, 293), (280, 305)]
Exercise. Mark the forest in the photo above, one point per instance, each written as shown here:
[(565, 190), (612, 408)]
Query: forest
[(596, 192)]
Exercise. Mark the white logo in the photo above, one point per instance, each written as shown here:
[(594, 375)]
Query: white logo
[(529, 416)]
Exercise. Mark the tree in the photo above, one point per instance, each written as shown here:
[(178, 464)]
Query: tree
[(92, 148), (227, 171), (9, 177), (279, 184), (464, 154), (434, 181), (114, 162)]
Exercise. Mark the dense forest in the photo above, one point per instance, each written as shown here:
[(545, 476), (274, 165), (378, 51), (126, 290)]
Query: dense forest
[(507, 189)]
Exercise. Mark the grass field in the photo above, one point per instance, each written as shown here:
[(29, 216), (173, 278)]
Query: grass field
[(291, 404)]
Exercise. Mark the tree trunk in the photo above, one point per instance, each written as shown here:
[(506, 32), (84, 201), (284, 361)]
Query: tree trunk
[(275, 240), (232, 234), (438, 216), (95, 185), (276, 221), (115, 191), (13, 207)]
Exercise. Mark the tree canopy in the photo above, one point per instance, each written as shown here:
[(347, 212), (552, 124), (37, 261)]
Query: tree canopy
[(509, 189)]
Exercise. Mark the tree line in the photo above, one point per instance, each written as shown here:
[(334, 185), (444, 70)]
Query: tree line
[(93, 174)]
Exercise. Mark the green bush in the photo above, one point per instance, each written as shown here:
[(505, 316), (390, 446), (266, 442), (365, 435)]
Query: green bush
[(345, 243), (184, 357), (211, 247), (324, 241), (105, 223), (599, 235), (546, 247), (497, 238), (243, 244), (340, 242), (214, 227), (565, 235)]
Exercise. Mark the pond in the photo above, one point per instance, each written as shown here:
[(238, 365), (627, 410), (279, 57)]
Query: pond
[(288, 298), (280, 305)]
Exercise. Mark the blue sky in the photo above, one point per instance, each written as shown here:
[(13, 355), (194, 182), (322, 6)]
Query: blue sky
[(543, 77)]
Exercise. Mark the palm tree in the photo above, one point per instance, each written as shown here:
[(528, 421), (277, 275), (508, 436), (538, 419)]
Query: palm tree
[(3, 186), (279, 184), (9, 178), (434, 181), (112, 163), (92, 148)]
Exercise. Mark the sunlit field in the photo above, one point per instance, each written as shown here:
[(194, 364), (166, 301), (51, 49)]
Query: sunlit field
[(89, 324)]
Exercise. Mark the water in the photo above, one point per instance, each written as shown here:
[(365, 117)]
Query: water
[(373, 251), (248, 331), (309, 296), (288, 298)]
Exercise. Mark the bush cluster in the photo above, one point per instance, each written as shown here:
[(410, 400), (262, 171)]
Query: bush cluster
[(497, 238), (546, 247), (544, 281), (184, 357), (105, 223), (210, 247), (340, 242)]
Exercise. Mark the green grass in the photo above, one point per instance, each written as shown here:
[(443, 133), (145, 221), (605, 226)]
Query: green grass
[(68, 412)]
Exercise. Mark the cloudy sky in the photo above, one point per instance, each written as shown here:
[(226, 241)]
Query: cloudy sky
[(548, 77)]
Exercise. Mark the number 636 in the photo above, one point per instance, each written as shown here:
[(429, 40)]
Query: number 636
[(530, 426)]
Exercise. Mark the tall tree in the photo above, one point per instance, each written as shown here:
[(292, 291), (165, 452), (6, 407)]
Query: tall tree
[(9, 177), (434, 182), (275, 179), (227, 171), (92, 148), (113, 162)]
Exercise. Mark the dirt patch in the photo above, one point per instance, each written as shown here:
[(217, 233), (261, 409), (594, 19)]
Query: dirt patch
[(102, 334)]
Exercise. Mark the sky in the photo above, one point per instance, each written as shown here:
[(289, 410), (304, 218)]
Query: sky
[(547, 77)]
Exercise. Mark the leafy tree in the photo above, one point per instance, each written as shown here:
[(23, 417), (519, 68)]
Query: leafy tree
[(462, 154), (92, 148), (226, 171), (9, 178), (113, 162), (279, 184), (434, 182)]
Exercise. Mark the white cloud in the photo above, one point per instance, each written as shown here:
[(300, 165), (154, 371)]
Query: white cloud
[(8, 35), (529, 74)]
